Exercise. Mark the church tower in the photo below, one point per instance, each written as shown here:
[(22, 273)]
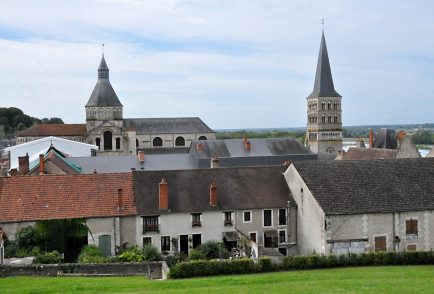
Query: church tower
[(324, 115), (104, 118)]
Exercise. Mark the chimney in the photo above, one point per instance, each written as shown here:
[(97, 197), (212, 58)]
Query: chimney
[(41, 164), (401, 135), (141, 154), (94, 171), (371, 138), (199, 147), (163, 195), (213, 194), (13, 172), (215, 162), (247, 145), (23, 164), (120, 200)]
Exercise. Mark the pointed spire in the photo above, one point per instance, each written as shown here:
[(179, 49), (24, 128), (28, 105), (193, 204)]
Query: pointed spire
[(323, 86), (103, 70)]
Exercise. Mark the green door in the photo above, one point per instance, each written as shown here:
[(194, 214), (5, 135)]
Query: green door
[(105, 245)]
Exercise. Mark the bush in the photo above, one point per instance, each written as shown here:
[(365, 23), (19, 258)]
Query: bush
[(196, 254), (213, 250), (265, 265), (91, 254), (172, 260), (132, 254), (27, 238), (200, 268), (150, 253), (48, 258), (11, 248)]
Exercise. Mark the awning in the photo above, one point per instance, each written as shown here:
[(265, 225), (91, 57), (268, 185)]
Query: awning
[(231, 236), (271, 233)]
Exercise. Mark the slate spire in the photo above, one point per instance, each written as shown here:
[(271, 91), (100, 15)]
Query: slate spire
[(323, 86), (103, 70)]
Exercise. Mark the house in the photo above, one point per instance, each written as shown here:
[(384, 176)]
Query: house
[(358, 206), (178, 210), (105, 201)]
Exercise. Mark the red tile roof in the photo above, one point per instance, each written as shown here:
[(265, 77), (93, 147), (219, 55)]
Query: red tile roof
[(357, 153), (29, 198), (45, 130)]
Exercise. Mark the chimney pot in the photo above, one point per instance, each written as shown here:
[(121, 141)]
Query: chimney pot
[(371, 138), (141, 155), (247, 145), (163, 195), (41, 164), (213, 194)]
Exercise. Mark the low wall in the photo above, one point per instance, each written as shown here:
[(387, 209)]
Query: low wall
[(151, 270)]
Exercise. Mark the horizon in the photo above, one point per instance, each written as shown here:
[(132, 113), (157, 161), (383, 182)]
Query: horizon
[(249, 64)]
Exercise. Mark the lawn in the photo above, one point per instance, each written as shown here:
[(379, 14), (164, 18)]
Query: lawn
[(391, 279)]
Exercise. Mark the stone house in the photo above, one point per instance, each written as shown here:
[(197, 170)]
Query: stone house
[(178, 210), (359, 206), (105, 201)]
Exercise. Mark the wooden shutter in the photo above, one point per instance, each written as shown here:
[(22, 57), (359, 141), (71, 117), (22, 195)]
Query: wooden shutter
[(380, 243)]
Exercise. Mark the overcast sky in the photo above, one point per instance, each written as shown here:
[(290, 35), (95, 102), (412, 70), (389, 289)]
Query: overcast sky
[(234, 63)]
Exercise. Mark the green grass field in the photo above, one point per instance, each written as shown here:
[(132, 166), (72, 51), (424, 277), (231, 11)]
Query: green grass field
[(392, 279)]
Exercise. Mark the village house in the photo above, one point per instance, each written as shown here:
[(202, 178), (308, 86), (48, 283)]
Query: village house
[(359, 206)]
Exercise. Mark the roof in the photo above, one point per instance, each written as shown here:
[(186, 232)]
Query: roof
[(358, 153), (323, 86), (370, 186), (180, 125), (45, 130), (385, 139), (431, 153), (103, 94), (31, 198), (43, 145), (58, 159), (237, 188)]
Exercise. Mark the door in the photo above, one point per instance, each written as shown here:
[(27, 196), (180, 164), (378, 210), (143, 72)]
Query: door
[(197, 240), (380, 243), (105, 245), (183, 244)]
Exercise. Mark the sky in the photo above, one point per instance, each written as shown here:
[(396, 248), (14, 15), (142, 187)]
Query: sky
[(235, 63)]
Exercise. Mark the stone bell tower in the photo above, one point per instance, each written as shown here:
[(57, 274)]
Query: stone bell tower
[(324, 112)]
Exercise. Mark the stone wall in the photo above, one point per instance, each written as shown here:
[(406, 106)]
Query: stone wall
[(152, 270)]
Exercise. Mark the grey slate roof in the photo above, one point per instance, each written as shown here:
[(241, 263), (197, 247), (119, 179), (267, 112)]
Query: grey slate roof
[(371, 186), (323, 86), (178, 125), (237, 188), (103, 94)]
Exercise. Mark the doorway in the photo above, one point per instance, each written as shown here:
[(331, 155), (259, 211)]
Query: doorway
[(183, 244)]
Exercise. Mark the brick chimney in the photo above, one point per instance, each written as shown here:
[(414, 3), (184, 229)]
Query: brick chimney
[(13, 172), (371, 138), (163, 195), (247, 145), (215, 162), (141, 155), (23, 164), (213, 194), (120, 200), (199, 147), (401, 135), (41, 164)]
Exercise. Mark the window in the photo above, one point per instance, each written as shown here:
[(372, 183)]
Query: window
[(323, 119), (147, 241), (411, 227), (203, 138), (282, 217), (150, 224), (165, 243), (323, 105), (195, 219), (268, 215), (252, 236), (108, 144), (411, 247), (98, 142), (118, 143), (157, 142), (329, 119), (380, 243), (335, 119), (179, 141), (137, 143), (247, 216), (329, 106), (228, 218), (282, 236)]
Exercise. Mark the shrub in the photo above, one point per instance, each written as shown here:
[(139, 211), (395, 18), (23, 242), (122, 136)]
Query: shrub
[(27, 238), (196, 254), (48, 257), (91, 254), (11, 248), (265, 265), (132, 254), (214, 250), (172, 260), (150, 253)]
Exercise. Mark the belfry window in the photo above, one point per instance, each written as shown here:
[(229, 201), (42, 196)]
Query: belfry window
[(98, 142), (323, 119), (179, 141), (118, 143), (157, 142), (108, 144)]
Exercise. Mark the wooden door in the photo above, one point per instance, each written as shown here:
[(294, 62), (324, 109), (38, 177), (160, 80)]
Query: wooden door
[(380, 243)]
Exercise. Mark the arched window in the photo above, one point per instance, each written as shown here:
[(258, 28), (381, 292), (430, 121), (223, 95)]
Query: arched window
[(329, 119), (118, 143), (315, 119), (179, 141), (157, 142), (203, 138), (137, 143), (336, 119), (329, 106), (108, 144), (323, 119), (323, 105), (98, 142)]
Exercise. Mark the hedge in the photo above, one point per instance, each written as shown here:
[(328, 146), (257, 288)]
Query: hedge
[(199, 268)]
